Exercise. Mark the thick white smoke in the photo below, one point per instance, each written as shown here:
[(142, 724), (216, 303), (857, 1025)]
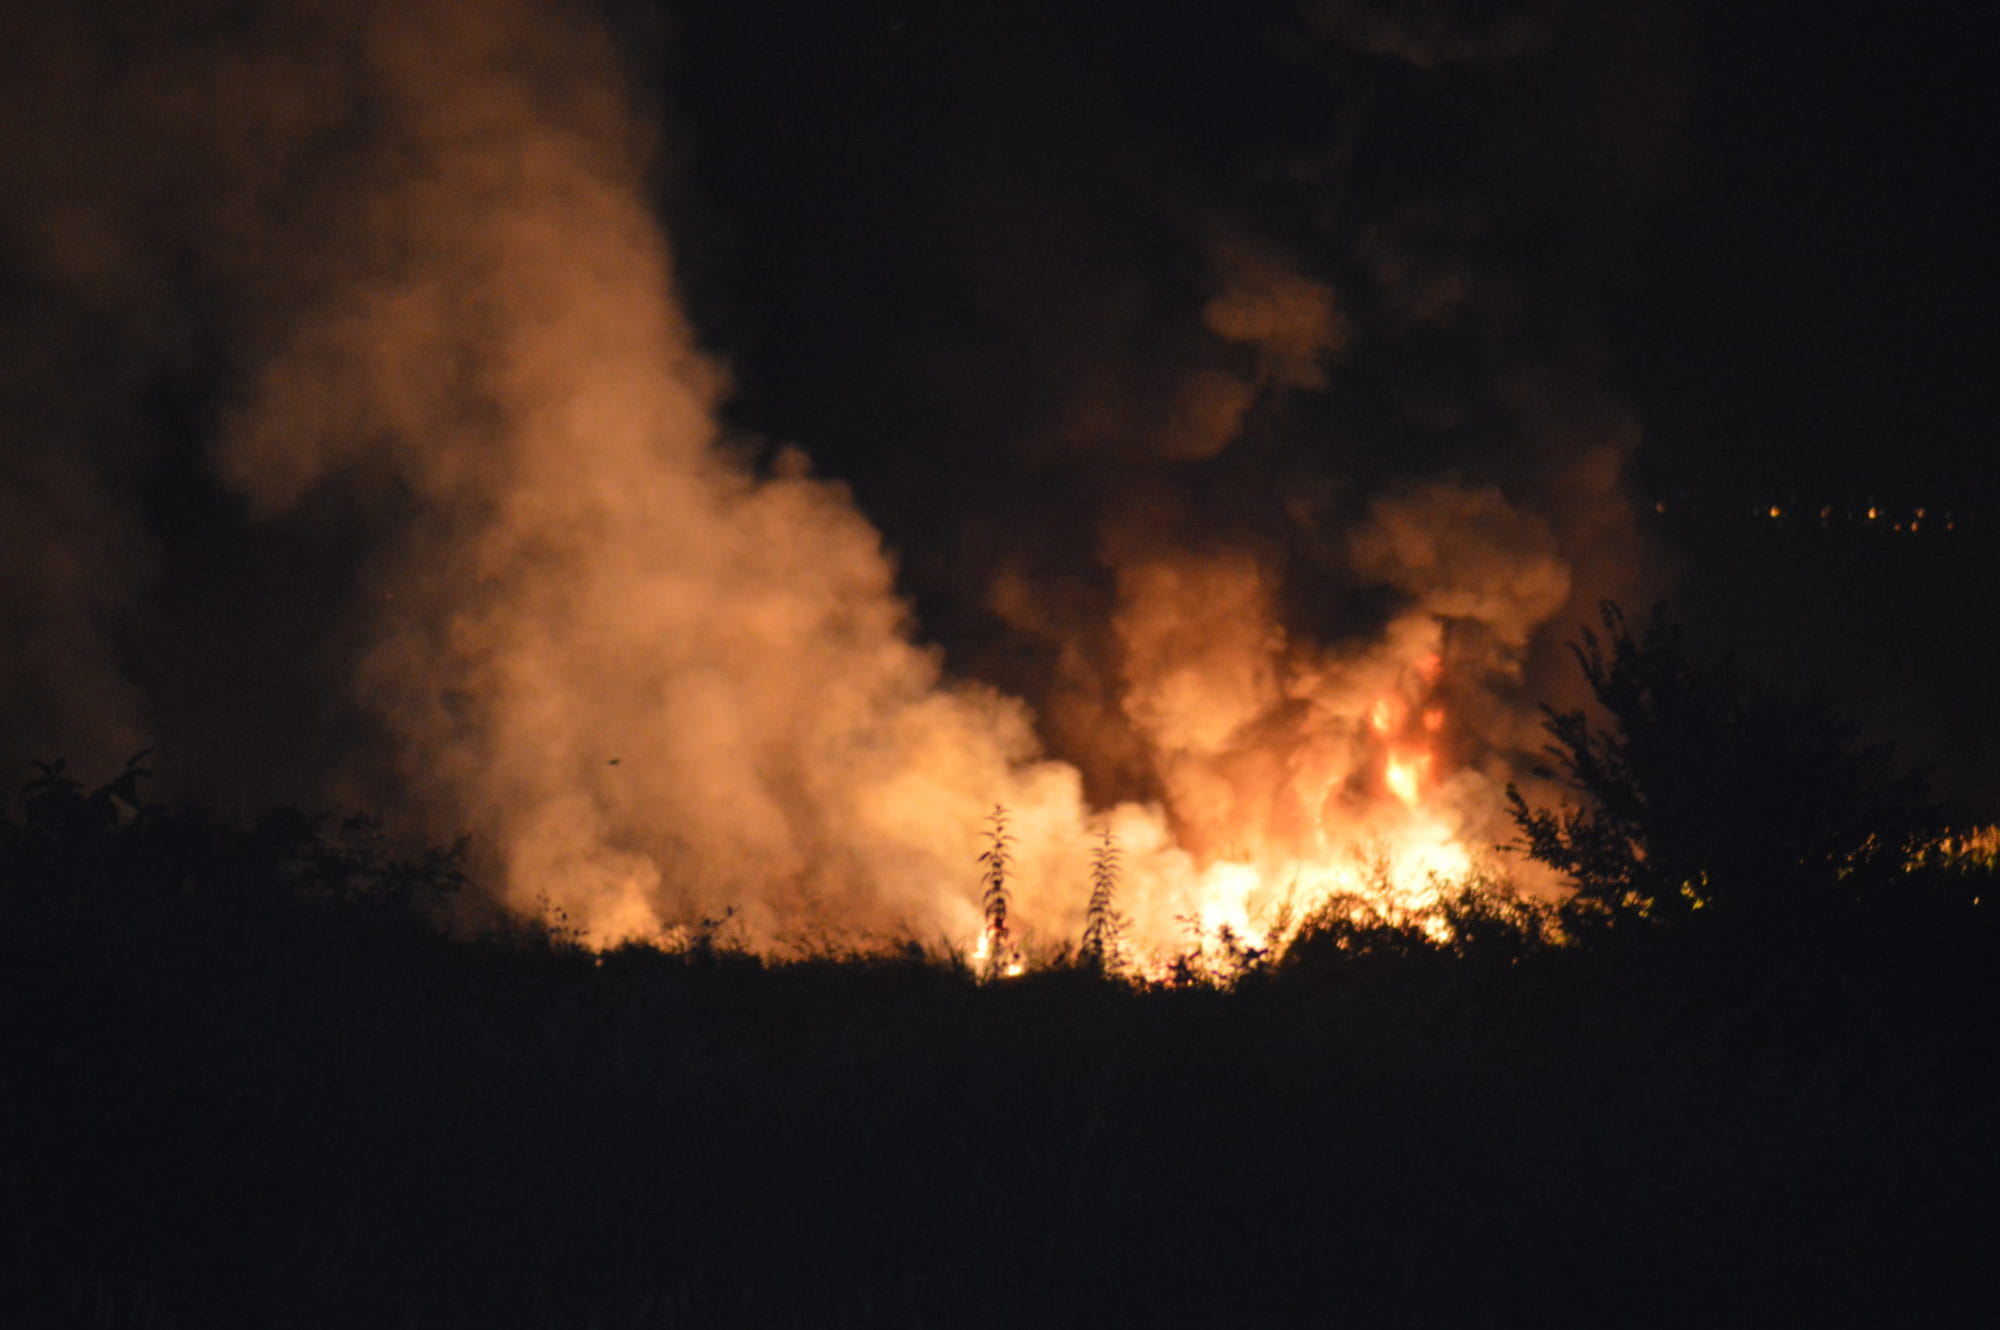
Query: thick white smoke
[(649, 682), (653, 681)]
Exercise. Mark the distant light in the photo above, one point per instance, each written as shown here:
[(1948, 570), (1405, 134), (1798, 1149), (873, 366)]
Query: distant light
[(1922, 513), (1776, 511), (1873, 514), (1659, 505)]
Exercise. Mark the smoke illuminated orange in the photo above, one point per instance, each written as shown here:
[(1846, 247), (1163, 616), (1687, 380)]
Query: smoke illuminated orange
[(654, 682)]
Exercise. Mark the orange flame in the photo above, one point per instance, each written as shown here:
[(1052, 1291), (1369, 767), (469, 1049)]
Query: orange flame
[(1404, 774)]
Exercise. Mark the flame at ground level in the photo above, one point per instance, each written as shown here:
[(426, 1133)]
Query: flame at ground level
[(829, 784), (655, 679), (1335, 784), (1401, 877)]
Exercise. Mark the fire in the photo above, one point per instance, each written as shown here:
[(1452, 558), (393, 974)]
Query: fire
[(1404, 774), (1013, 966), (1291, 772), (652, 680), (1292, 776), (1227, 892)]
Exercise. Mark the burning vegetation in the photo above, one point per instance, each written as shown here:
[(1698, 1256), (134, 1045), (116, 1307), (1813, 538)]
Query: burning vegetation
[(656, 671), (1219, 896), (464, 1117), (661, 673)]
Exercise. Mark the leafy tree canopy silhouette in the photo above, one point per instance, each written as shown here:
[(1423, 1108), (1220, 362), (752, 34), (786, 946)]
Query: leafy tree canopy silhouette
[(1706, 791)]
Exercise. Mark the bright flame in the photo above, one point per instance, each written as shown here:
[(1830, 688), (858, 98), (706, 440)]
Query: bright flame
[(1293, 773), (1227, 890), (1404, 774)]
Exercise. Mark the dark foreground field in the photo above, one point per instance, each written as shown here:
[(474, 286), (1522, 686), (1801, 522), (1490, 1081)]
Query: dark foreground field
[(247, 1083)]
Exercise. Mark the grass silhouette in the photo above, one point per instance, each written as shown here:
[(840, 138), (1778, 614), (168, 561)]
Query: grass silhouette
[(268, 1074)]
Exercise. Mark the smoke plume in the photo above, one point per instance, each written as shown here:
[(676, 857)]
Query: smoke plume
[(391, 276)]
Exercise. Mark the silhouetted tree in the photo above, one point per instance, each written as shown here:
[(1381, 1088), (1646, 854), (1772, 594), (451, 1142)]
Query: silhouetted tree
[(1706, 791)]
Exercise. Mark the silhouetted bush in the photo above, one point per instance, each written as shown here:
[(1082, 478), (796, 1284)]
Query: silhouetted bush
[(1705, 793), (246, 1079), (106, 867)]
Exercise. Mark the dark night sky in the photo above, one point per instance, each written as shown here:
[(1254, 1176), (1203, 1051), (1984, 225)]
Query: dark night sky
[(1785, 241), (1820, 299), (1761, 228)]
